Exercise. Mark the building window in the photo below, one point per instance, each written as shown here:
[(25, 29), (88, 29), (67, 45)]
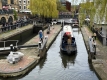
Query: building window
[(12, 1), (19, 2), (4, 2), (24, 2), (20, 7), (24, 7), (28, 2)]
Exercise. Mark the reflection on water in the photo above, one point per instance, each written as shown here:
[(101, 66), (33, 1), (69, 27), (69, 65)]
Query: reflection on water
[(67, 60), (57, 66), (42, 62)]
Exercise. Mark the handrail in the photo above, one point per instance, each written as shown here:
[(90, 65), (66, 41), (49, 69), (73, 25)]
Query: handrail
[(14, 40), (8, 41)]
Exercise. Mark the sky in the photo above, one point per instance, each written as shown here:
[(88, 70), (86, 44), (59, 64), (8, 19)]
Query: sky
[(76, 2)]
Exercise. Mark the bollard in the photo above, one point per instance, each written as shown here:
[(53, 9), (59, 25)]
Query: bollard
[(11, 47), (48, 30), (39, 45), (15, 48)]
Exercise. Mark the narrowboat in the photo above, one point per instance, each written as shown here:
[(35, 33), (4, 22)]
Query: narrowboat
[(68, 43)]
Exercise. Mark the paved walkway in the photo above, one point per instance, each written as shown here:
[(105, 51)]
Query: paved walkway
[(100, 63), (30, 54)]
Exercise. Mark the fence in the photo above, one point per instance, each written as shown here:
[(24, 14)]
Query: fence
[(5, 45), (8, 42), (15, 25), (3, 11), (100, 35)]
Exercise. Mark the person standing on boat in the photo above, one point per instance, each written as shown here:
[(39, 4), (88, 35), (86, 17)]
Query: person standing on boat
[(41, 36), (69, 41)]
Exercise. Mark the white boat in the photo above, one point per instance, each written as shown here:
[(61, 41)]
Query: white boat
[(68, 46)]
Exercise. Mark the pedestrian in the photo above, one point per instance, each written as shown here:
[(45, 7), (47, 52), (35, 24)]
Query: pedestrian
[(52, 25), (94, 35), (69, 42), (101, 30), (92, 27), (94, 46), (48, 30), (41, 36)]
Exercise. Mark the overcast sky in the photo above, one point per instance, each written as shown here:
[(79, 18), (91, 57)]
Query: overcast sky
[(75, 2)]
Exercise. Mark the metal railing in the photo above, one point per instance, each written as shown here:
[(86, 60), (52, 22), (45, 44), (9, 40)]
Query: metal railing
[(4, 42), (3, 11), (100, 36), (15, 25)]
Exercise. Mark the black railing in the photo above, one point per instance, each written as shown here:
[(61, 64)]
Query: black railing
[(65, 16), (4, 11), (15, 25), (98, 34)]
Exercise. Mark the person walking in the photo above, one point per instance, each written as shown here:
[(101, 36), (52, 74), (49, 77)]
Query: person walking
[(94, 35), (94, 46), (41, 36)]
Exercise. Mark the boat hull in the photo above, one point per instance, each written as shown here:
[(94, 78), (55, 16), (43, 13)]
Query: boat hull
[(72, 50), (68, 43)]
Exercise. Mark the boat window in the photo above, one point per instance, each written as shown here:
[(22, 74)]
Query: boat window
[(15, 53)]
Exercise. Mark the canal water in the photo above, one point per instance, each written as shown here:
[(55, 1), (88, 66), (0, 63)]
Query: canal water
[(57, 66)]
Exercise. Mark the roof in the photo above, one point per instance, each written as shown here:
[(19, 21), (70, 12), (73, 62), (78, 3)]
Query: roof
[(68, 28)]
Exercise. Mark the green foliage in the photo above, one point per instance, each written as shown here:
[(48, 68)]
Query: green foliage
[(87, 9), (15, 15), (101, 6), (45, 8), (96, 9)]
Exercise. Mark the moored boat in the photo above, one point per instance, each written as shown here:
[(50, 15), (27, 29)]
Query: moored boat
[(68, 43)]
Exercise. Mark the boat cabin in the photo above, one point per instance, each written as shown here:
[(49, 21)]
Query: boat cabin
[(68, 39)]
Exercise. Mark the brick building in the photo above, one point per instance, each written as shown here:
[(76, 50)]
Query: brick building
[(67, 4)]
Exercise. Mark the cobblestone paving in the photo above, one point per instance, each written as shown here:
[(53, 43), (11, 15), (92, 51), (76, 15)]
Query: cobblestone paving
[(100, 63)]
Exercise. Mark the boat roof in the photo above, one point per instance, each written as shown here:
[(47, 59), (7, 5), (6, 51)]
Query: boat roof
[(68, 28)]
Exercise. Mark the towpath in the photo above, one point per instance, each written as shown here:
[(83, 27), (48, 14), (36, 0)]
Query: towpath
[(30, 54), (100, 63)]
